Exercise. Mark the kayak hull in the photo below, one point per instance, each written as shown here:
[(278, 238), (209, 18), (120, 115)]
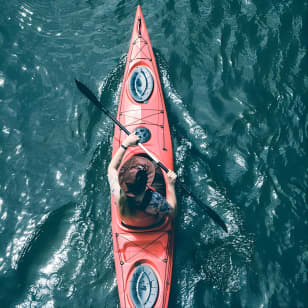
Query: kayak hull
[(151, 248)]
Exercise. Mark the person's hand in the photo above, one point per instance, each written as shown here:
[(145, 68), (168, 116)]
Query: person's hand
[(131, 140), (171, 177)]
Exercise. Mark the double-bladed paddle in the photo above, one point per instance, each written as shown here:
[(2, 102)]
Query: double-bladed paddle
[(89, 94)]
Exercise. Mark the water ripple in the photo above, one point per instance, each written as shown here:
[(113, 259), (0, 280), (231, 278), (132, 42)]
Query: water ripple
[(234, 80)]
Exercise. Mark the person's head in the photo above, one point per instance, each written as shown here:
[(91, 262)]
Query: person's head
[(134, 177), (135, 174)]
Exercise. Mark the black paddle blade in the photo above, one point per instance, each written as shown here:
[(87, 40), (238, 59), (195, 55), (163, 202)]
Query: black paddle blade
[(216, 217), (218, 220), (88, 93), (212, 214)]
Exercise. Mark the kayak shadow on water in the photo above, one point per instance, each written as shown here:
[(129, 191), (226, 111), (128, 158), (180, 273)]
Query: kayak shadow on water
[(35, 253)]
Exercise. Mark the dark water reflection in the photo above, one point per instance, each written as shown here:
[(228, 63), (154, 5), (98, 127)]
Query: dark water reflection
[(234, 75)]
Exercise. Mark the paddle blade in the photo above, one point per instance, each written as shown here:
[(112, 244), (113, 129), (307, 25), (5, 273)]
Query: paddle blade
[(217, 219), (88, 93)]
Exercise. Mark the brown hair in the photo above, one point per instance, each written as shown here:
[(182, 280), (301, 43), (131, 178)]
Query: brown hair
[(127, 205)]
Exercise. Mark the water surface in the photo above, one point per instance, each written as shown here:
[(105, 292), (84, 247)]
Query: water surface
[(234, 76)]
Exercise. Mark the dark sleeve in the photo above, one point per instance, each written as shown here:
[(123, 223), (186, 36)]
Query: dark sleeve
[(158, 205)]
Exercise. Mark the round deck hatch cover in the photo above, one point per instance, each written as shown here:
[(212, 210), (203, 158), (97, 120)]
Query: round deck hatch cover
[(141, 84), (144, 287), (143, 133)]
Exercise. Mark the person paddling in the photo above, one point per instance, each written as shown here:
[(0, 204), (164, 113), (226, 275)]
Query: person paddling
[(139, 188)]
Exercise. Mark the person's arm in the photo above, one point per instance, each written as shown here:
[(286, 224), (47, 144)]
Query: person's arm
[(161, 206), (171, 197), (130, 140)]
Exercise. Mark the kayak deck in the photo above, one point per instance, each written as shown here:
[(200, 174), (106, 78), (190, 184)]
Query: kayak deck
[(143, 257)]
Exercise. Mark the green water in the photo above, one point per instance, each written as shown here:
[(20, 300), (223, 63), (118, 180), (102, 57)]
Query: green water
[(234, 76)]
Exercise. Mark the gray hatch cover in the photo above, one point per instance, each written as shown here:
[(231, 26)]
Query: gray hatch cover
[(141, 84), (144, 287)]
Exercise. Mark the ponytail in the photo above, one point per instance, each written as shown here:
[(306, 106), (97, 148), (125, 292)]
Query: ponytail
[(127, 205)]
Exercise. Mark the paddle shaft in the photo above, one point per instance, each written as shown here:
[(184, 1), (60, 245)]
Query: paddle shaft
[(162, 166), (209, 211), (88, 93)]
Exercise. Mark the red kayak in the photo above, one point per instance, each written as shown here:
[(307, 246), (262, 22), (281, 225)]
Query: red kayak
[(143, 256)]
